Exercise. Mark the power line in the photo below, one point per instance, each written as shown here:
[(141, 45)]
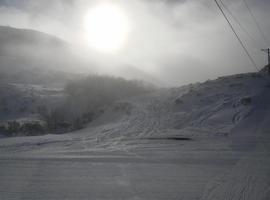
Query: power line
[(240, 25), (256, 21), (238, 38)]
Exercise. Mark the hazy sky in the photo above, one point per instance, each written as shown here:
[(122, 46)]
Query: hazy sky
[(173, 41)]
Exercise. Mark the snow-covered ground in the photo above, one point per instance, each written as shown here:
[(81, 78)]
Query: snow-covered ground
[(201, 141)]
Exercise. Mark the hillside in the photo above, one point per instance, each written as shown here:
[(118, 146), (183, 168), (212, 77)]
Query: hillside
[(35, 69), (213, 108), (32, 57), (13, 36), (201, 141)]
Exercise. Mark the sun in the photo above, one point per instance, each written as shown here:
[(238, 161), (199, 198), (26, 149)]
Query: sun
[(106, 27)]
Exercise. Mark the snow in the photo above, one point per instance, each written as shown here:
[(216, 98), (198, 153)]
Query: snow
[(194, 142)]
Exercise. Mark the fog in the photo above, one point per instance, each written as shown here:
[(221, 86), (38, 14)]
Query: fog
[(170, 43)]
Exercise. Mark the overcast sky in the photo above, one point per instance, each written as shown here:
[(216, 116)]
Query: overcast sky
[(173, 41)]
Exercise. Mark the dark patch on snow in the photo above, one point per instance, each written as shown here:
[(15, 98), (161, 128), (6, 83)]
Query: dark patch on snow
[(167, 138), (246, 101), (178, 101)]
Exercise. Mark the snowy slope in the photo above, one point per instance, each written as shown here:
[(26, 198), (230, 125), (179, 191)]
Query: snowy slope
[(202, 141), (208, 109)]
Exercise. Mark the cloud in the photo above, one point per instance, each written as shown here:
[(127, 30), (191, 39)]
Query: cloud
[(176, 41)]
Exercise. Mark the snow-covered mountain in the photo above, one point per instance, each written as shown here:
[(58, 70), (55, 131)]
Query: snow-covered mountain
[(35, 69), (201, 141), (32, 57), (209, 109)]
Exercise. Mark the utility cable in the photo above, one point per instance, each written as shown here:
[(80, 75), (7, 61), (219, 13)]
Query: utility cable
[(256, 22), (240, 25), (238, 38)]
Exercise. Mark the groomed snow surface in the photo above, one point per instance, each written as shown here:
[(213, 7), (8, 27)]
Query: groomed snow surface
[(207, 141)]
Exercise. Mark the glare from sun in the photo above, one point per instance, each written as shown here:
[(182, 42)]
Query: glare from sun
[(106, 27)]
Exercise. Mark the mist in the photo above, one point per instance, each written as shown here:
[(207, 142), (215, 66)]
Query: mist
[(170, 43), (135, 99)]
